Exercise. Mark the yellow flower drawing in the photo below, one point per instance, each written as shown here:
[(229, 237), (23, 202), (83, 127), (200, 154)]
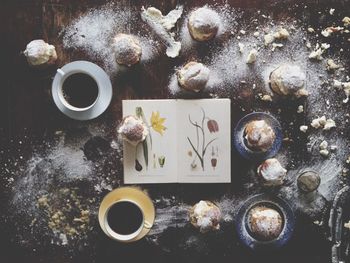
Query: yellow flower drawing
[(157, 122)]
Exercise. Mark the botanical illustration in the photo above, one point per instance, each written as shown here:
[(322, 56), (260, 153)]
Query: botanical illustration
[(156, 124), (201, 143)]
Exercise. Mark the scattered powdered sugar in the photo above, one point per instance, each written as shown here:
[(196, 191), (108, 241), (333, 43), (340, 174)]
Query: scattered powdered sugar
[(40, 187), (55, 194), (93, 33), (170, 214)]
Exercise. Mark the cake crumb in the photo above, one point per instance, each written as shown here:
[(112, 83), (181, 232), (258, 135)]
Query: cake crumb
[(318, 122), (347, 225), (251, 58), (346, 21), (331, 65), (300, 109), (303, 128)]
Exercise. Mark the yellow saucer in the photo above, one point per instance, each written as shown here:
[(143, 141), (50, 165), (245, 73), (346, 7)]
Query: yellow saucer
[(134, 195)]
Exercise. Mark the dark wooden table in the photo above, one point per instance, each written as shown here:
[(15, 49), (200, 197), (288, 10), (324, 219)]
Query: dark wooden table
[(29, 122)]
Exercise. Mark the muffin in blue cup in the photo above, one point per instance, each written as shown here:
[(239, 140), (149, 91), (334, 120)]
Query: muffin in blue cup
[(258, 136), (265, 222)]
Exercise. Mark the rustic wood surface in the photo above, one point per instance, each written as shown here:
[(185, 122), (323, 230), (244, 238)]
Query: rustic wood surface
[(27, 110)]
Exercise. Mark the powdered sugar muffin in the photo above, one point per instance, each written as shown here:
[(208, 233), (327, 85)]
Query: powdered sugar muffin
[(259, 136), (38, 53), (205, 216), (133, 130), (265, 223), (288, 80), (271, 172), (127, 49), (193, 76), (203, 24)]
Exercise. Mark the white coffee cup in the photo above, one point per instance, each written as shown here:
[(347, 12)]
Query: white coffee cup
[(104, 86)]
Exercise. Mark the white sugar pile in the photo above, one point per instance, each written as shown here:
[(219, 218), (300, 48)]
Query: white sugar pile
[(93, 33)]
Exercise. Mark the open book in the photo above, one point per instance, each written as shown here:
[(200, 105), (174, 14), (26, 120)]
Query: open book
[(189, 141)]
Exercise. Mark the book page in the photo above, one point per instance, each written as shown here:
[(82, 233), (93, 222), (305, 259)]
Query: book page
[(157, 163), (204, 141)]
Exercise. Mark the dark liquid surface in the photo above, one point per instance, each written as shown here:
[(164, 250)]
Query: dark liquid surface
[(124, 218), (80, 90)]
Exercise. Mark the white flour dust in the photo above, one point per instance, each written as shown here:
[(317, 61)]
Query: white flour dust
[(56, 193), (93, 33)]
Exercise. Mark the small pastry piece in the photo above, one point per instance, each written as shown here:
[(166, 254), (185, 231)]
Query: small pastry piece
[(205, 216), (163, 25), (203, 24), (251, 58), (288, 80), (127, 49), (38, 52), (271, 172), (133, 130), (259, 136), (193, 76), (265, 223)]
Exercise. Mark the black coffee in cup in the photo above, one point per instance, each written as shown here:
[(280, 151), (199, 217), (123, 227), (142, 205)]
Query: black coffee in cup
[(80, 90), (124, 218)]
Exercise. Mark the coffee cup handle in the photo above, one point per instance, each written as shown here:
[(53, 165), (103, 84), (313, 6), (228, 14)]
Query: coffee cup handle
[(147, 225), (61, 72)]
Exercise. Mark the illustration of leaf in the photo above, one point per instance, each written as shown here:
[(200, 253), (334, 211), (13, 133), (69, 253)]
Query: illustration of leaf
[(194, 149), (205, 149), (140, 114), (145, 152)]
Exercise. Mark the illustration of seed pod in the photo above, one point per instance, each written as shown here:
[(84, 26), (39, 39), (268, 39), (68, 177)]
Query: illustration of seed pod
[(161, 161)]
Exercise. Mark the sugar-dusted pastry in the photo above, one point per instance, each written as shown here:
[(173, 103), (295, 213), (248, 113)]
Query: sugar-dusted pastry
[(265, 223), (288, 80), (38, 52), (205, 216), (271, 172), (133, 130), (259, 136), (203, 24), (127, 49), (193, 76)]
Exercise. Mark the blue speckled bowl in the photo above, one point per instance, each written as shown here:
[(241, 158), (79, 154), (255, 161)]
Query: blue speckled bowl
[(240, 145), (273, 202)]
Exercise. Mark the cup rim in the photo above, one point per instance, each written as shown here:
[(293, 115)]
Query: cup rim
[(121, 237), (105, 92), (60, 90)]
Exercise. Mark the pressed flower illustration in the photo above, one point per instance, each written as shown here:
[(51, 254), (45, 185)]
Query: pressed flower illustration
[(212, 126), (157, 123), (201, 144)]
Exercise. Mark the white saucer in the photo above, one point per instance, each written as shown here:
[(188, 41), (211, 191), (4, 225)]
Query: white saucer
[(104, 90)]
